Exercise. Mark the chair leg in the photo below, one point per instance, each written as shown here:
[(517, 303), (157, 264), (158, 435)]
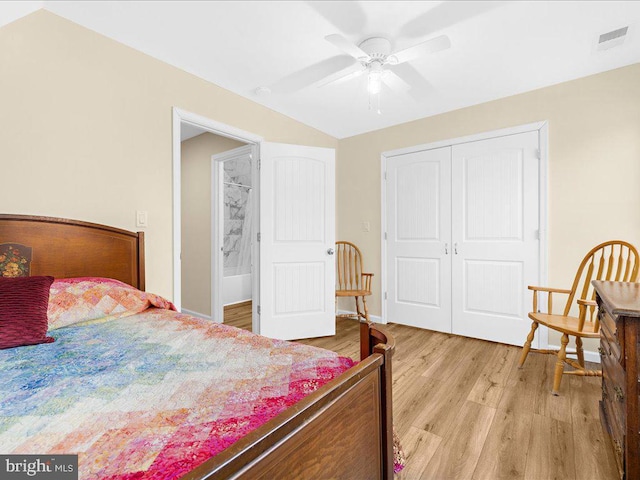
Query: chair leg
[(579, 351), (562, 355), (366, 310), (527, 344), (359, 314)]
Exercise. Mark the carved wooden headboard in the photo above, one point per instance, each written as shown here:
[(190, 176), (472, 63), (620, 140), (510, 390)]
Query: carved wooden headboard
[(66, 248)]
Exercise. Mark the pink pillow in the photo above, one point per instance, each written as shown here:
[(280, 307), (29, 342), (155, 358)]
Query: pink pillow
[(92, 299), (23, 311)]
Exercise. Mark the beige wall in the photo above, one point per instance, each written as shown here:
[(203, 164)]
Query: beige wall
[(196, 218), (594, 165), (85, 129)]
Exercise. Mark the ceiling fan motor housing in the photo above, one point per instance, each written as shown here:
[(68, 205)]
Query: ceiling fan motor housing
[(377, 48)]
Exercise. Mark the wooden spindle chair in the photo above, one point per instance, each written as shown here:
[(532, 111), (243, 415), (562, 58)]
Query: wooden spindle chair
[(350, 281), (615, 261)]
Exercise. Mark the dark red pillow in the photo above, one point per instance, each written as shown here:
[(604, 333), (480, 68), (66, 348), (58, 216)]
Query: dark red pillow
[(23, 311)]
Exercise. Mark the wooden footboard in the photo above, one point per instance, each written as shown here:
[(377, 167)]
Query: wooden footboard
[(343, 430)]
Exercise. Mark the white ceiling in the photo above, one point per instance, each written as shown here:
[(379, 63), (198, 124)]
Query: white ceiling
[(497, 49), (188, 131)]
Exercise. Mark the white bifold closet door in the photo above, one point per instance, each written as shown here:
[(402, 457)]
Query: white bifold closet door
[(462, 239), (419, 239)]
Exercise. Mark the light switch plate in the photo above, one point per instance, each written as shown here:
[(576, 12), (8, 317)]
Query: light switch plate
[(366, 226), (142, 219)]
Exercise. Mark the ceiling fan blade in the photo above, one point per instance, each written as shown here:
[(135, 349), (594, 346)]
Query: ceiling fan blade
[(425, 48), (420, 88), (347, 47), (311, 74), (342, 76), (445, 15), (394, 82), (347, 17)]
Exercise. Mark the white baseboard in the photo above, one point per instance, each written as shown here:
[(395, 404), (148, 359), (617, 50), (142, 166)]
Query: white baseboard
[(373, 318), (589, 356), (196, 314), (236, 303)]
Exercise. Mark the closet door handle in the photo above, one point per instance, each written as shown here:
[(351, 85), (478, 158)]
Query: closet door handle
[(455, 248), (446, 249)]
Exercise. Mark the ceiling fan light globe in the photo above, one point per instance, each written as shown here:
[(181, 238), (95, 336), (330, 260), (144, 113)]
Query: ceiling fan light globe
[(375, 84), (376, 68)]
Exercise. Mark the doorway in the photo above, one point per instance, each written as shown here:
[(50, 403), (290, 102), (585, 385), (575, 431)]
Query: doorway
[(234, 233), (200, 202), (292, 264)]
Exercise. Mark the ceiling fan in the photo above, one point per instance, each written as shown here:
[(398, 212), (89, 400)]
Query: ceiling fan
[(374, 57)]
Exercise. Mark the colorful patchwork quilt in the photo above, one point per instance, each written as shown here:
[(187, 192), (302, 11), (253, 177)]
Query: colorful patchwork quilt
[(151, 395)]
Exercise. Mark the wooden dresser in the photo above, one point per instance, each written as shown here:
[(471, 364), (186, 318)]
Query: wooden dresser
[(619, 313)]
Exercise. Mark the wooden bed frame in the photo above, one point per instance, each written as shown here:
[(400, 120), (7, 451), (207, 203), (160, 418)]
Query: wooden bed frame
[(343, 430)]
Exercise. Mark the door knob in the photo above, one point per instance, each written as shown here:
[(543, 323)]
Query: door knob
[(330, 251)]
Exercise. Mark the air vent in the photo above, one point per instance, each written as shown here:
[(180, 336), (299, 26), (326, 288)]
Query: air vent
[(612, 39)]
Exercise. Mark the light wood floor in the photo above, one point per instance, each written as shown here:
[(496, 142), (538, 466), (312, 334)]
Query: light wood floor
[(463, 409)]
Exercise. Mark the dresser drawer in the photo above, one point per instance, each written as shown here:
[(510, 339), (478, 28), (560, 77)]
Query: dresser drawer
[(614, 395), (613, 418), (606, 320), (615, 435), (614, 374), (610, 332)]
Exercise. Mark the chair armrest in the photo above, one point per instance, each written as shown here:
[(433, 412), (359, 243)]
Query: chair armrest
[(587, 303), (366, 280), (588, 310), (548, 289)]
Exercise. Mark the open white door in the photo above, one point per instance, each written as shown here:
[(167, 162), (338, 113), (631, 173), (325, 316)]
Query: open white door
[(297, 230)]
